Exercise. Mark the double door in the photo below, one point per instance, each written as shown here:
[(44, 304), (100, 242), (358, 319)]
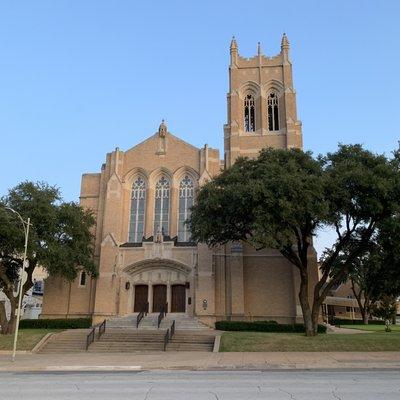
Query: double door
[(178, 298)]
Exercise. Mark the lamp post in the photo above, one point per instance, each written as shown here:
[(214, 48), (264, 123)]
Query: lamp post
[(25, 225)]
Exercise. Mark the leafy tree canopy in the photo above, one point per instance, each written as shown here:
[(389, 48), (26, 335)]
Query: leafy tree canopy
[(376, 274), (60, 238), (281, 199)]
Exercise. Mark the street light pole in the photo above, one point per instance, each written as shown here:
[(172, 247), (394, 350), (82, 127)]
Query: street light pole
[(26, 225)]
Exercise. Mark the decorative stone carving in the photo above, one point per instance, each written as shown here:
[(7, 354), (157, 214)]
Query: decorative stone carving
[(162, 132)]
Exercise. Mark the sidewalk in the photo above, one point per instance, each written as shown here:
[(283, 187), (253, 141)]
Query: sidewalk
[(199, 361)]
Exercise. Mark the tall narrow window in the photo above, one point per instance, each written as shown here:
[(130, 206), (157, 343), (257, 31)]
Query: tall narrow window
[(186, 196), (82, 279), (273, 112), (161, 207), (249, 114), (138, 208)]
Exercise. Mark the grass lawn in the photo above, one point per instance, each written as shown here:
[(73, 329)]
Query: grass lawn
[(263, 341), (27, 339), (372, 328)]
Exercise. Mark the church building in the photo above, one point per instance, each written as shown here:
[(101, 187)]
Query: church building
[(142, 197)]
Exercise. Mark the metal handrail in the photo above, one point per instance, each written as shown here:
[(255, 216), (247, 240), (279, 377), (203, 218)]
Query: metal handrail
[(172, 330), (166, 338), (90, 337), (143, 312), (102, 328), (161, 316), (139, 318)]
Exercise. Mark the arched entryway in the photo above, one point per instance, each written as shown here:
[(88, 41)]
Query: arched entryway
[(164, 283)]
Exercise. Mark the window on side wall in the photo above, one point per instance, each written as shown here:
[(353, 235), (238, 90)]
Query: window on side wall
[(82, 279)]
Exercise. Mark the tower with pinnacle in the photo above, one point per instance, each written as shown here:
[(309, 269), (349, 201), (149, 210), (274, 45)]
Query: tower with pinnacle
[(261, 104)]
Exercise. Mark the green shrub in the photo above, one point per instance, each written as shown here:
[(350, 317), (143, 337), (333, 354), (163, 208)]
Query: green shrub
[(76, 323), (263, 326), (339, 321)]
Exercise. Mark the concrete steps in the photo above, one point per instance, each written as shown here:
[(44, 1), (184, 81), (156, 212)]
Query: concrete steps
[(120, 340), (149, 322), (70, 341), (183, 322), (128, 340), (191, 341), (121, 335)]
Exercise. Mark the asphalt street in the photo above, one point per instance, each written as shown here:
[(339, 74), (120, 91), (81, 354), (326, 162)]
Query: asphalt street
[(213, 385)]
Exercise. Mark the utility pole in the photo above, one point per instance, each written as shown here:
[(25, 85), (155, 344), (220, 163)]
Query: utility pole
[(26, 224)]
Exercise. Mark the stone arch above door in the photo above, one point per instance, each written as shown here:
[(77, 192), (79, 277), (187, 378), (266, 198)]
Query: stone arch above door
[(158, 271), (165, 273)]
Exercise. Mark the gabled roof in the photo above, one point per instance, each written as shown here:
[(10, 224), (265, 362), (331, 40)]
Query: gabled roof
[(168, 134)]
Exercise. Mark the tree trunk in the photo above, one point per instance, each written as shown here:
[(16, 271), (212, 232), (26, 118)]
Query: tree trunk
[(3, 318), (8, 326), (13, 319), (11, 325), (367, 310), (315, 316), (309, 323), (364, 317), (363, 311), (364, 308)]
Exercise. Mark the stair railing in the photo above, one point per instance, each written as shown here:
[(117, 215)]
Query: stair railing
[(90, 337), (172, 330), (139, 318), (143, 312), (160, 317), (166, 338), (102, 328)]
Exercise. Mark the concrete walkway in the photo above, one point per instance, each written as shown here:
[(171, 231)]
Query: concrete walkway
[(344, 331), (200, 361)]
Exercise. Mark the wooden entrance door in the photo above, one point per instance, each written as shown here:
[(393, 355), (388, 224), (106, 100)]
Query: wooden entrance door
[(178, 298), (141, 292), (159, 297)]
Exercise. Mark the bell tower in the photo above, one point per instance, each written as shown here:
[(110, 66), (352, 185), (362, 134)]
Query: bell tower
[(261, 104)]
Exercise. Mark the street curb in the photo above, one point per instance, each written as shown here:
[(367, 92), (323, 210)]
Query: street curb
[(137, 368), (9, 352), (81, 368)]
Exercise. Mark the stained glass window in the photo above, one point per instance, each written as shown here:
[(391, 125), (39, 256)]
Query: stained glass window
[(249, 114), (161, 207), (273, 112), (186, 196), (138, 210)]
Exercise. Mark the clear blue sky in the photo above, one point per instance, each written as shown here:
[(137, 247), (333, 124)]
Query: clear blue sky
[(78, 78)]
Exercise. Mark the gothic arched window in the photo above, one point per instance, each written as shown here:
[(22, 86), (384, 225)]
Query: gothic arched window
[(273, 112), (186, 197), (161, 206), (138, 209), (249, 114)]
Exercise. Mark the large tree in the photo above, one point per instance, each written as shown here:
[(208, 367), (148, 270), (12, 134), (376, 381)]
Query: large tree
[(376, 274), (281, 199), (60, 240)]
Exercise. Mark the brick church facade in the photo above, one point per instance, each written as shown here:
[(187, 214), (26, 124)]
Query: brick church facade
[(142, 196)]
